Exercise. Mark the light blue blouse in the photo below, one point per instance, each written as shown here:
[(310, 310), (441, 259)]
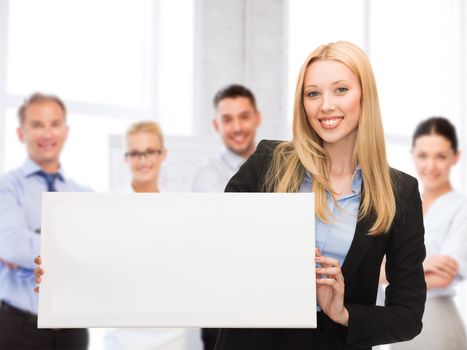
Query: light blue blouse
[(334, 239)]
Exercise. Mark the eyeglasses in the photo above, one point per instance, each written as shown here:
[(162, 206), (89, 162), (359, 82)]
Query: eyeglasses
[(150, 153)]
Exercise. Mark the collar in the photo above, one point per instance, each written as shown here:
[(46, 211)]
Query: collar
[(30, 167), (233, 160), (357, 180)]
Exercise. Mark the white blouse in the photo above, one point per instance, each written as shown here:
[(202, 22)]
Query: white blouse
[(144, 338), (446, 234), (128, 188)]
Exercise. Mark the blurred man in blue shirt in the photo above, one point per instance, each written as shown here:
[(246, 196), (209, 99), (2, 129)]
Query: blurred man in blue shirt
[(43, 130)]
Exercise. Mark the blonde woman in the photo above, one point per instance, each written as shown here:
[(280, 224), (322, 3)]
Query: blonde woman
[(144, 155), (364, 210)]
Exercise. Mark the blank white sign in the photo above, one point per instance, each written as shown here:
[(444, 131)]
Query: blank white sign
[(178, 260)]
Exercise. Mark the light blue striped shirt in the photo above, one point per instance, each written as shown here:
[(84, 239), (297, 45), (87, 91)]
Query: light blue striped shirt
[(20, 222), (334, 239)]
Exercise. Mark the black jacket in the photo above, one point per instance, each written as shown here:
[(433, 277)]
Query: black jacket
[(369, 325)]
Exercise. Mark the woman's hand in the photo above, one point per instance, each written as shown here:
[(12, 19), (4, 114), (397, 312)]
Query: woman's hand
[(38, 272), (440, 271), (442, 265), (330, 288)]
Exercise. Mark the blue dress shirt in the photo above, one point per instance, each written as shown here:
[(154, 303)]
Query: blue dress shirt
[(334, 239), (20, 222)]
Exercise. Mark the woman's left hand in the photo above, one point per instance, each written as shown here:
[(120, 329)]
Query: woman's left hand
[(330, 288)]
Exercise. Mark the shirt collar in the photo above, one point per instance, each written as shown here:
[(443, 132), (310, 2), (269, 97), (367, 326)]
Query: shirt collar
[(30, 167), (357, 180), (232, 159)]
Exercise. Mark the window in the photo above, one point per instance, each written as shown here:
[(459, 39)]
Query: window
[(417, 67), (111, 62), (84, 51), (312, 23)]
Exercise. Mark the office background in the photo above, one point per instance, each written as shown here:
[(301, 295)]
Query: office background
[(115, 62)]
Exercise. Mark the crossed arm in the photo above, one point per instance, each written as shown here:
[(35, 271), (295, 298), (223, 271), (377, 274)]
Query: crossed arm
[(440, 271)]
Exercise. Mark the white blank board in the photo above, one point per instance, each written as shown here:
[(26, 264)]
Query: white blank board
[(178, 260)]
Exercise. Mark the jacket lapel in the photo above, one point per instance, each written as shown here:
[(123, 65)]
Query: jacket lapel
[(360, 244)]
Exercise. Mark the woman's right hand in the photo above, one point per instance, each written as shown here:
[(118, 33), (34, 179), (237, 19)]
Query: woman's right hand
[(330, 288), (38, 272)]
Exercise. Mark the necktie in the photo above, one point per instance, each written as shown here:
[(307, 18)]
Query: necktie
[(49, 179)]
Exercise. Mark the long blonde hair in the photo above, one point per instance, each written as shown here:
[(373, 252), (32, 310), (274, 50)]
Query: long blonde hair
[(305, 153)]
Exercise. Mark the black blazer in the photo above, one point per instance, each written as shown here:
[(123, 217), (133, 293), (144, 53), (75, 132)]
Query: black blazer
[(369, 325)]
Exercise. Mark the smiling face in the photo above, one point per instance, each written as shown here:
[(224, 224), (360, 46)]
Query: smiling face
[(331, 98), (44, 132), (434, 157), (145, 155), (236, 122)]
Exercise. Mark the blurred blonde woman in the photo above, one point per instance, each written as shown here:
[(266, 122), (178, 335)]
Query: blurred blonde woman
[(144, 155)]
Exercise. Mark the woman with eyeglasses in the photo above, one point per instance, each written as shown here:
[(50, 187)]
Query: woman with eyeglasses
[(144, 155)]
